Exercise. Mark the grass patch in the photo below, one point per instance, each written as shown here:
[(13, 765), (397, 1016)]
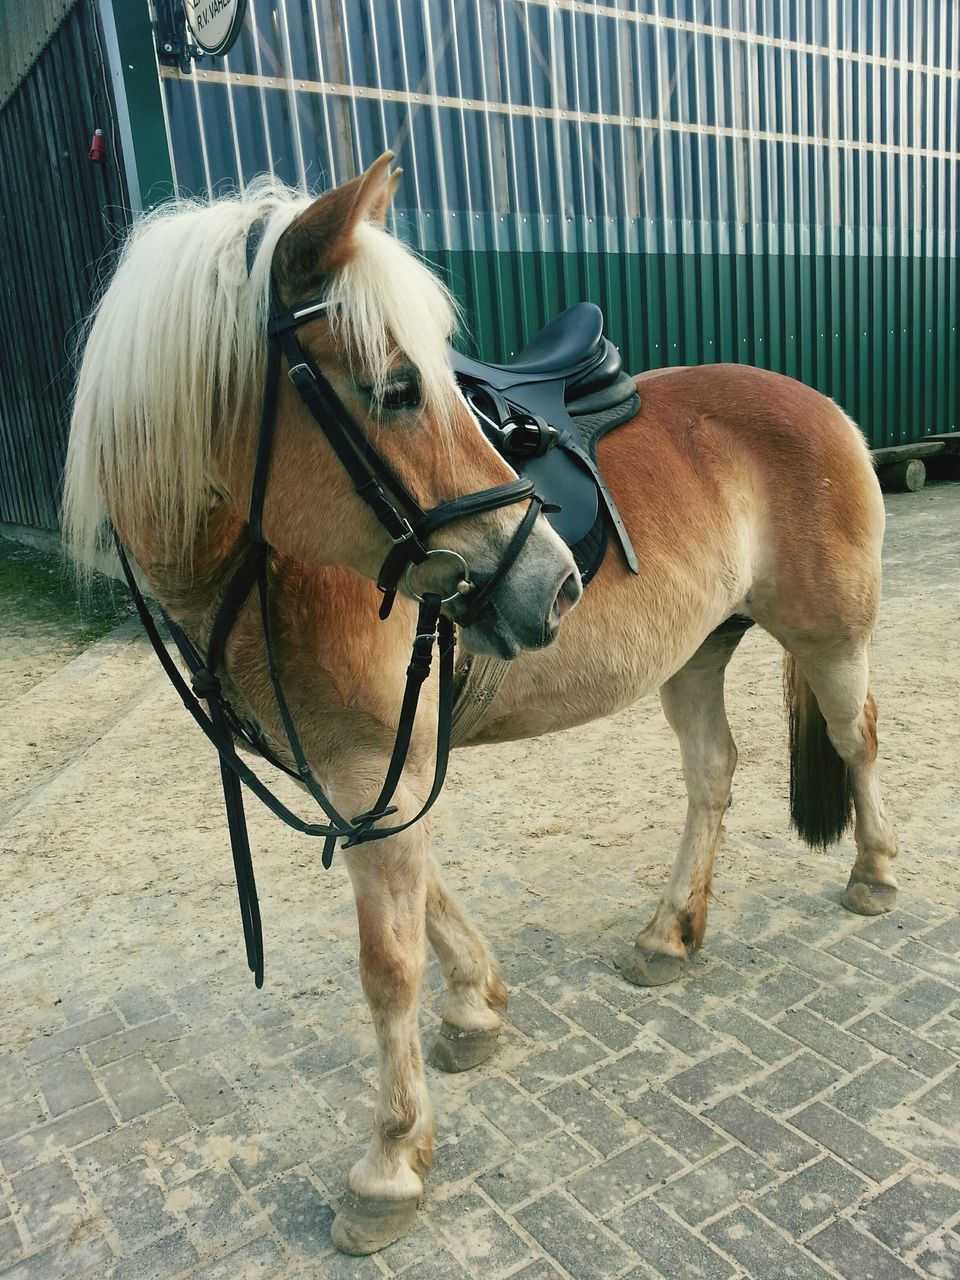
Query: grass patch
[(38, 587)]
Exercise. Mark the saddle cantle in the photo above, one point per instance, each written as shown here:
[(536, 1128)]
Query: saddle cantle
[(545, 412)]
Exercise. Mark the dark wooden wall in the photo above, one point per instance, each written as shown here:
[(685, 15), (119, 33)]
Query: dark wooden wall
[(60, 220)]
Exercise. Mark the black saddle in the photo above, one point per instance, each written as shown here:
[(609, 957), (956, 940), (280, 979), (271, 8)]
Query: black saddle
[(545, 412)]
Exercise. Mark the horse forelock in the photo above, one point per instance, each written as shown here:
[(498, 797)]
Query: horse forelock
[(173, 360)]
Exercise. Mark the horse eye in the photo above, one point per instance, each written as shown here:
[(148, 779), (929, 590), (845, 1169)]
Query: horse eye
[(401, 396)]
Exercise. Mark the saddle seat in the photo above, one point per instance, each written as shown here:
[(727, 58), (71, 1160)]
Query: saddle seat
[(545, 412), (570, 349)]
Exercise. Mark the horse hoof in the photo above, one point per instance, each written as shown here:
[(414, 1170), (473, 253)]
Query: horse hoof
[(650, 968), (866, 899), (455, 1050), (368, 1223)]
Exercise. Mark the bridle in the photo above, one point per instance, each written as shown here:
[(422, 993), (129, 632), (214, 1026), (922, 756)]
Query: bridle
[(408, 526)]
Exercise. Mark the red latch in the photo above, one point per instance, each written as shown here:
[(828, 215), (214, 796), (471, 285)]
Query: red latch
[(96, 153)]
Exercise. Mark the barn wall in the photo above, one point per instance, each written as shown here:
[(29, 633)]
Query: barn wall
[(59, 219), (743, 180)]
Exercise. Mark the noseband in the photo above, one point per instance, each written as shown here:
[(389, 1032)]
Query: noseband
[(408, 526)]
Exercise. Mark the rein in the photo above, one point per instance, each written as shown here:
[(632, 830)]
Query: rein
[(408, 526)]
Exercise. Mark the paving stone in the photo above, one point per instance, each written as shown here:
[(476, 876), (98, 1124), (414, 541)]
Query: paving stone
[(849, 1141), (879, 1088), (140, 1003), (82, 1255), (511, 1110), (320, 1059), (666, 1245), (794, 1083), (941, 964), (854, 1256), (48, 1140), (217, 1214), (750, 960), (125, 1143), (901, 1043), (946, 1033), (300, 1213), (726, 1179), (714, 1076), (437, 1264), (51, 1203), (171, 1048), (762, 1040), (846, 1000), (11, 1246), (674, 1125), (18, 1117), (921, 1002), (872, 961), (536, 1271), (825, 1038), (134, 1202), (942, 1259), (822, 965), (890, 931), (939, 1151), (811, 1196), (133, 1086), (66, 1083), (677, 1029), (533, 1019), (778, 992), (941, 1102), (760, 1249), (468, 1154), (204, 1093), (573, 1238), (531, 1172), (150, 1036), (903, 1216), (586, 1115), (72, 1037), (630, 1072), (262, 1259), (551, 1066), (169, 1256), (774, 1142), (945, 937), (478, 1236), (601, 1022), (607, 1187)]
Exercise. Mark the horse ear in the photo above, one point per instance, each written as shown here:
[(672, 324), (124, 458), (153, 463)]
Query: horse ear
[(321, 239)]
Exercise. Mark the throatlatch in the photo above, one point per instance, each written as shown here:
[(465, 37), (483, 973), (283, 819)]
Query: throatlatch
[(408, 526)]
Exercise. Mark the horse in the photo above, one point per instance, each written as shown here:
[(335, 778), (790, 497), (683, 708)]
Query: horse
[(746, 495)]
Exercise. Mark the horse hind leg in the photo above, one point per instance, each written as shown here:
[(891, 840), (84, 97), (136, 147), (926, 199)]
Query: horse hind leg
[(832, 694), (476, 995), (693, 704)]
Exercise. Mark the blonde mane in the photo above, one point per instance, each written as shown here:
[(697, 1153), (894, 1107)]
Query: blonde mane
[(173, 360)]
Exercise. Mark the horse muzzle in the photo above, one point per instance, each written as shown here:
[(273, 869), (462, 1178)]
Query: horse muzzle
[(527, 607)]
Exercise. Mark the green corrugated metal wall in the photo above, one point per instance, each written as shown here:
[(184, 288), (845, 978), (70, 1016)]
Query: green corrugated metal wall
[(770, 181)]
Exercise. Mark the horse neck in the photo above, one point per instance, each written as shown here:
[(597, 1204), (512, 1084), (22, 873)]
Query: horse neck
[(191, 591)]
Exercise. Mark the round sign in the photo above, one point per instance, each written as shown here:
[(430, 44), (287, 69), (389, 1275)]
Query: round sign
[(214, 24)]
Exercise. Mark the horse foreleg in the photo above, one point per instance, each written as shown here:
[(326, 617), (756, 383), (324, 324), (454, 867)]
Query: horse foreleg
[(693, 704), (384, 1187), (476, 995)]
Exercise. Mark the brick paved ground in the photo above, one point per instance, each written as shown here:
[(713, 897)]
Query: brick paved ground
[(789, 1111)]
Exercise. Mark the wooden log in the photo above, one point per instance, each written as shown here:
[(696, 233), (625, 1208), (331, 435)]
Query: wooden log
[(903, 452), (899, 477)]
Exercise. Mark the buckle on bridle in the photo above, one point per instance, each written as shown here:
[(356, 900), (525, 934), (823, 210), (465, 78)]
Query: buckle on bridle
[(408, 532)]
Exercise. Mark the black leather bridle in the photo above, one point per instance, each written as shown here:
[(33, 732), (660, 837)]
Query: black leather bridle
[(408, 527)]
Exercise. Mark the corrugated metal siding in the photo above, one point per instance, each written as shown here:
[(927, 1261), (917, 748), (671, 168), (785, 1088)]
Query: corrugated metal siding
[(26, 30), (59, 215), (736, 179)]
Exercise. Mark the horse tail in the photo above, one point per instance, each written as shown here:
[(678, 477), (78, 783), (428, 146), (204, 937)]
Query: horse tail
[(821, 797)]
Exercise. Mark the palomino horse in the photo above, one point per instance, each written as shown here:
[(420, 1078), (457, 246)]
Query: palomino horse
[(744, 493)]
